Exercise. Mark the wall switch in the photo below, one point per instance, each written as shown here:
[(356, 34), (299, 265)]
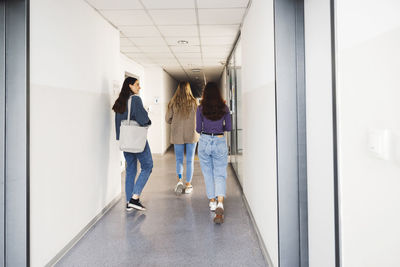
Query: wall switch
[(156, 100), (378, 143)]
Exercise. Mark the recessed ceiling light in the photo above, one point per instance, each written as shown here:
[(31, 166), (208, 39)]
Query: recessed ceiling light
[(196, 70), (183, 42)]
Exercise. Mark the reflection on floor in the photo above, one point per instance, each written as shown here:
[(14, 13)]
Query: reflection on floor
[(174, 231)]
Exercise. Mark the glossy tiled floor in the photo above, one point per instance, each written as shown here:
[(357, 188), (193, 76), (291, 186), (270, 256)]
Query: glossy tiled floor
[(174, 231)]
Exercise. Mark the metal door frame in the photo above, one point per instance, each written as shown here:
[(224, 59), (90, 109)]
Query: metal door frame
[(291, 133), (14, 89)]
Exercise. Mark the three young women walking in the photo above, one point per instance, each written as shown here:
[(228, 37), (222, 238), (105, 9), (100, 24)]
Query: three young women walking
[(181, 115), (130, 89), (212, 120)]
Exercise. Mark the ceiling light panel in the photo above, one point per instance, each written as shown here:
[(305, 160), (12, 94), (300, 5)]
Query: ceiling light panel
[(170, 4), (215, 40), (139, 31), (174, 17), (219, 30), (127, 17), (116, 4), (174, 41), (222, 3), (151, 41), (181, 30), (221, 16), (185, 48)]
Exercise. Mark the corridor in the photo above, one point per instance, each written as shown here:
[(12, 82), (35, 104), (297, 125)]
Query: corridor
[(174, 231)]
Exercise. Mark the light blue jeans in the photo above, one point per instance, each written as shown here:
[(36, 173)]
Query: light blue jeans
[(146, 165), (179, 154), (213, 155)]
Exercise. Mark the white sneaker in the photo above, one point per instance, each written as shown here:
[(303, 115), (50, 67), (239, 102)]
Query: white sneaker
[(212, 205), (179, 188), (189, 189)]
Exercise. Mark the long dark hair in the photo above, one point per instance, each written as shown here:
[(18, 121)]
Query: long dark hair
[(213, 105), (126, 92)]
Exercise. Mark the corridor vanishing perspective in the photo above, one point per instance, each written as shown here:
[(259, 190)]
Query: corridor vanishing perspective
[(174, 231), (312, 88)]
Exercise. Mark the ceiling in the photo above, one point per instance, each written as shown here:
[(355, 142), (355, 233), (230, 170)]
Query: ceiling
[(150, 31)]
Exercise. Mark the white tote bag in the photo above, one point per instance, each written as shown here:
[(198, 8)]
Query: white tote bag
[(132, 137)]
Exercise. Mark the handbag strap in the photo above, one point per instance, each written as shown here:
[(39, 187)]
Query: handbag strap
[(129, 108)]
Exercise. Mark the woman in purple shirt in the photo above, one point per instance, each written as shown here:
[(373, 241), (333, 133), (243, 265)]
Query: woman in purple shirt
[(212, 120)]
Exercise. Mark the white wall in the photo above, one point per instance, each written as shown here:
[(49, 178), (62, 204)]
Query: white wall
[(159, 85), (368, 63), (258, 81), (74, 170), (321, 220)]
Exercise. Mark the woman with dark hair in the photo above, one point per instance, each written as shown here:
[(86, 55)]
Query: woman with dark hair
[(131, 88), (181, 115), (212, 120)]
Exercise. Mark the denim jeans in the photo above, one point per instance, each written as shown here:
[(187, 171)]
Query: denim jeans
[(179, 154), (213, 155), (146, 165)]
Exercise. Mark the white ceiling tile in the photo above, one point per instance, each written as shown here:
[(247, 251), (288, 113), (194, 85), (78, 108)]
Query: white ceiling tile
[(154, 49), (170, 4), (139, 31), (222, 3), (221, 16), (137, 55), (116, 4), (174, 17), (152, 41), (185, 48), (125, 42), (174, 40), (164, 55), (174, 69), (181, 30), (190, 62), (188, 55), (167, 62), (219, 30), (216, 48), (129, 49), (211, 63), (215, 40), (127, 17)]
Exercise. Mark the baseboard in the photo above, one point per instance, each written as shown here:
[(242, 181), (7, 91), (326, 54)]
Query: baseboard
[(82, 233), (264, 250)]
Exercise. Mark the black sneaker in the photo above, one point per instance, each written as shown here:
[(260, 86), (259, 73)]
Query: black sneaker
[(128, 208), (135, 203)]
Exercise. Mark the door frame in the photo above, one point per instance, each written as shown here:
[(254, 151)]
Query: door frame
[(291, 140), (14, 88)]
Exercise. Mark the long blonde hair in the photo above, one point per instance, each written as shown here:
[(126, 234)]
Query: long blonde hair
[(183, 100)]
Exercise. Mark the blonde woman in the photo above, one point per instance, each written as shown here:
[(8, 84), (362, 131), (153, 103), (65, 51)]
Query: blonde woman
[(181, 115)]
